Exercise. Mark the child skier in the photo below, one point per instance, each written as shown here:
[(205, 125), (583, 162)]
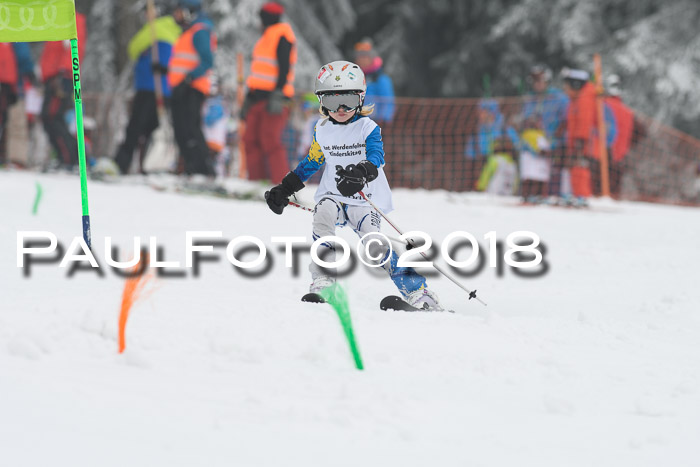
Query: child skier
[(350, 145)]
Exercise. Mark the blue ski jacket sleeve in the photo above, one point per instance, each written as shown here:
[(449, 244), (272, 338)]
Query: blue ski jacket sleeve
[(202, 44)]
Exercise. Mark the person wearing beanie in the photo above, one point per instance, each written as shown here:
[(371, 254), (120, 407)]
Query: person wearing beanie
[(270, 89), (189, 76), (380, 88)]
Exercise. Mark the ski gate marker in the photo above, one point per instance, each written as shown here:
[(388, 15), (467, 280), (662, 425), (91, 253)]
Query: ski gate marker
[(338, 299), (52, 20)]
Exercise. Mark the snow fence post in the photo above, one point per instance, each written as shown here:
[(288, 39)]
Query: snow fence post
[(338, 299)]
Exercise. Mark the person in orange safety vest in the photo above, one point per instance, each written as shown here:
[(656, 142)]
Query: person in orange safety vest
[(270, 88), (189, 71)]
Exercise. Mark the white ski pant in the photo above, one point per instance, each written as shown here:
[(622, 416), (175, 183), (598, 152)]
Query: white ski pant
[(329, 214)]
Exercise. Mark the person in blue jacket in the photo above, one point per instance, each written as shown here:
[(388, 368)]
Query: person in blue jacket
[(492, 132), (25, 65), (547, 105), (380, 88), (144, 112)]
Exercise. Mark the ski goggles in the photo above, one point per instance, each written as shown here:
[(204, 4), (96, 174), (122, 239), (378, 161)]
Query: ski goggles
[(333, 102)]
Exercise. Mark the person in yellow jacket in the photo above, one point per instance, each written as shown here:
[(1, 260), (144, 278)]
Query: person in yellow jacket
[(143, 120), (270, 88), (189, 71)]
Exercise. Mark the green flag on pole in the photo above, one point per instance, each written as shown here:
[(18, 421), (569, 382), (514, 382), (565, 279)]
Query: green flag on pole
[(34, 21), (51, 20)]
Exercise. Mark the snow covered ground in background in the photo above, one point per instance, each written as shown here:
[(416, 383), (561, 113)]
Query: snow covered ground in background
[(596, 363)]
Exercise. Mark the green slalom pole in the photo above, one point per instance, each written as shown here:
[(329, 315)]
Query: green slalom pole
[(338, 299), (87, 235)]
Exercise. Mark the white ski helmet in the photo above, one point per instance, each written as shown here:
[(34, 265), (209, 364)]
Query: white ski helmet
[(340, 77)]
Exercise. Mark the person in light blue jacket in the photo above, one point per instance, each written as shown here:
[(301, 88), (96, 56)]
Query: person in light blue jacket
[(380, 88), (492, 132)]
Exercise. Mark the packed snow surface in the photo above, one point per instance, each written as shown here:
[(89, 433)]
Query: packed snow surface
[(597, 363)]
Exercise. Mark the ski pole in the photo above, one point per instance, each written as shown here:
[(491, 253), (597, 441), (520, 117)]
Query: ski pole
[(472, 293), (301, 206)]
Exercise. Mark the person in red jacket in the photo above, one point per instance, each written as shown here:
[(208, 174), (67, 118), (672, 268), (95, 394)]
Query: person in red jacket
[(8, 91), (582, 148), (57, 76), (624, 118), (16, 75)]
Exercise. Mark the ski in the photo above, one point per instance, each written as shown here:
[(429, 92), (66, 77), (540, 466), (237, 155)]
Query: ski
[(396, 303), (217, 191), (312, 298)]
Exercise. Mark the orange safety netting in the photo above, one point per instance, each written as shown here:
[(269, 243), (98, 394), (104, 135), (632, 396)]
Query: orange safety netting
[(441, 144)]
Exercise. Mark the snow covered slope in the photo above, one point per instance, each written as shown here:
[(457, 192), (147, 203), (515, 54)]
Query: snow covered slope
[(596, 363)]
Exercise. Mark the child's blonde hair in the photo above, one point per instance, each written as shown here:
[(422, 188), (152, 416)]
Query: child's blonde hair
[(366, 111)]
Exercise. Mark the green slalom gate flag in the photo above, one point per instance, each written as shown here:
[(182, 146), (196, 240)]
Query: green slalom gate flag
[(338, 299), (51, 20), (34, 21)]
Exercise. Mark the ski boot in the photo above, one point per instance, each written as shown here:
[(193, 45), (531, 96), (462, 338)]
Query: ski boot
[(423, 299)]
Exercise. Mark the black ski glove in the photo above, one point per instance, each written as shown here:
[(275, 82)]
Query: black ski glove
[(181, 89), (353, 178), (247, 104), (159, 68), (278, 196), (276, 102)]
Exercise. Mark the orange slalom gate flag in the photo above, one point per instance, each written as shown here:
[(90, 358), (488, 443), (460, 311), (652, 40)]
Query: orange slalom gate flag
[(133, 289)]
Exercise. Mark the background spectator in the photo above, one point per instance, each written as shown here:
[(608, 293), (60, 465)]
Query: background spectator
[(215, 118), (270, 88), (583, 150), (14, 139), (535, 162), (189, 73), (380, 88), (144, 111), (15, 64), (546, 107), (624, 119), (57, 75), (492, 133), (499, 176)]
